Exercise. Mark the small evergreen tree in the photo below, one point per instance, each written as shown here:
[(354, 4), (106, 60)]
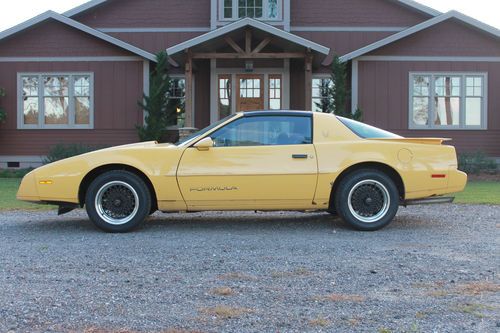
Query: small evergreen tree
[(3, 115), (339, 88), (340, 91), (158, 115), (325, 104)]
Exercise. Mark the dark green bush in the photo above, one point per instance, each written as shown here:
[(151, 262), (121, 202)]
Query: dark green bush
[(62, 151), (476, 163), (18, 173), (3, 114)]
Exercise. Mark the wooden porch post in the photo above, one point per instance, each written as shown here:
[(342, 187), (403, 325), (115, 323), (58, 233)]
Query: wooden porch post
[(308, 78), (189, 91)]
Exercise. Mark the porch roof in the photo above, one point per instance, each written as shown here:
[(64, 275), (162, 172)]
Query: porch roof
[(211, 41)]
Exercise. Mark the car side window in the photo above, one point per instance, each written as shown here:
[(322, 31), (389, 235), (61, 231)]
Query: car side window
[(265, 131)]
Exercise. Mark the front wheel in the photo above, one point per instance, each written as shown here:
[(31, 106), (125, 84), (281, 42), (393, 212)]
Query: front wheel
[(118, 201), (367, 200)]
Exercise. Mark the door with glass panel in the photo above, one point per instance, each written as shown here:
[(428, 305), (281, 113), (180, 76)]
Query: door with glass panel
[(250, 95), (258, 161)]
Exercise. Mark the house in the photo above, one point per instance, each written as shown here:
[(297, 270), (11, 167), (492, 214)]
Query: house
[(76, 77)]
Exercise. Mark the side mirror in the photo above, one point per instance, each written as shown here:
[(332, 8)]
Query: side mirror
[(205, 144)]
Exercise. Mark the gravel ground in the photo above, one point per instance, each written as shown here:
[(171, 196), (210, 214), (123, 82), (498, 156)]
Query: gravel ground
[(434, 269)]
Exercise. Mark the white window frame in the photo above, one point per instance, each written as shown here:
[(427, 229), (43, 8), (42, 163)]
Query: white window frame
[(41, 105), (315, 77), (463, 94), (182, 76), (265, 12)]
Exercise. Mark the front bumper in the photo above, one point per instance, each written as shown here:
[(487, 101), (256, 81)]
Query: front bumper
[(28, 190)]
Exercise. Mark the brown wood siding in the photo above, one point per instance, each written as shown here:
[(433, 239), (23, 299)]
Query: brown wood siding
[(449, 38), (154, 42), (55, 39), (202, 94), (384, 99), (341, 43), (118, 87), (353, 13), (148, 14)]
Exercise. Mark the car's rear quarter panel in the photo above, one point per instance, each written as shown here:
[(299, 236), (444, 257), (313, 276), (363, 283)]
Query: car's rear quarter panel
[(339, 149)]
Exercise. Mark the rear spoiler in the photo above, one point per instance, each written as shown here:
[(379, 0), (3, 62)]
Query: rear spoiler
[(425, 141)]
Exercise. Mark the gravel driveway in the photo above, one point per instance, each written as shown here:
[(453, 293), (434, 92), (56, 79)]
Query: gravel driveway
[(434, 269)]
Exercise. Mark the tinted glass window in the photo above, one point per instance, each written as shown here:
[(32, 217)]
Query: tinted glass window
[(265, 131), (366, 131)]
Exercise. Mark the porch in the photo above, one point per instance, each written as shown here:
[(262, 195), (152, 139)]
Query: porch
[(246, 65)]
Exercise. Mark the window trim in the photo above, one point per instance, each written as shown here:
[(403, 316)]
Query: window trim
[(265, 18), (316, 77), (182, 76), (71, 104), (269, 99), (463, 95)]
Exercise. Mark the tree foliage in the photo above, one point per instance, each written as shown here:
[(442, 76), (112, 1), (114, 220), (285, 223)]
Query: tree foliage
[(158, 116), (3, 115), (340, 91)]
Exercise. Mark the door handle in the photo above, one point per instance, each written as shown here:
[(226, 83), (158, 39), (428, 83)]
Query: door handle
[(300, 156)]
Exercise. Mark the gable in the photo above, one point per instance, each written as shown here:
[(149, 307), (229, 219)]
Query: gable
[(146, 13), (449, 38), (51, 38), (355, 13)]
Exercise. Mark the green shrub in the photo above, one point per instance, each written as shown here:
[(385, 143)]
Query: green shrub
[(3, 114), (18, 173), (62, 151), (476, 163)]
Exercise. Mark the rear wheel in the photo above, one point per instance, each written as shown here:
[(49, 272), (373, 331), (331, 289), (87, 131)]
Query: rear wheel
[(367, 200), (118, 201)]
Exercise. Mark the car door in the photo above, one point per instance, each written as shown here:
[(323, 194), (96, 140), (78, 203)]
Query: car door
[(261, 162)]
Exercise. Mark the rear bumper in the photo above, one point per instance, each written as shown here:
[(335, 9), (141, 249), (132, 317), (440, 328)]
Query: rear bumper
[(457, 181)]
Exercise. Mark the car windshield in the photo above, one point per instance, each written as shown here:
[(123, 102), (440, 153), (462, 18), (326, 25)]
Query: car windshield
[(203, 131), (366, 131)]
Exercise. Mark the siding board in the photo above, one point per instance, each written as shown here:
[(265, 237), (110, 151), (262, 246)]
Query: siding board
[(148, 13), (353, 13), (449, 38), (55, 39)]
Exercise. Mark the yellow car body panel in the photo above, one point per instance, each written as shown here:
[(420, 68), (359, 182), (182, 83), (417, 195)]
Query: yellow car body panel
[(248, 177), (185, 178)]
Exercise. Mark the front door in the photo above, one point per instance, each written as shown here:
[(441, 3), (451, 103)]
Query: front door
[(258, 162), (250, 92)]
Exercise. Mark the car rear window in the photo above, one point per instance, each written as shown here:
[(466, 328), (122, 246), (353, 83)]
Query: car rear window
[(366, 131)]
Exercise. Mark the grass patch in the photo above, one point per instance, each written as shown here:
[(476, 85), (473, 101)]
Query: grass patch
[(225, 312), (301, 271), (319, 322), (340, 298), (480, 192), (223, 291), (473, 288), (8, 201), (475, 310), (237, 276)]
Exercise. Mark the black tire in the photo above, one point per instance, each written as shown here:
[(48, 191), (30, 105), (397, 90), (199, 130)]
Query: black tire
[(332, 211), (367, 200), (118, 201)]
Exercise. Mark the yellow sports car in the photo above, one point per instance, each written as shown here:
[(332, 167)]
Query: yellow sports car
[(283, 160)]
